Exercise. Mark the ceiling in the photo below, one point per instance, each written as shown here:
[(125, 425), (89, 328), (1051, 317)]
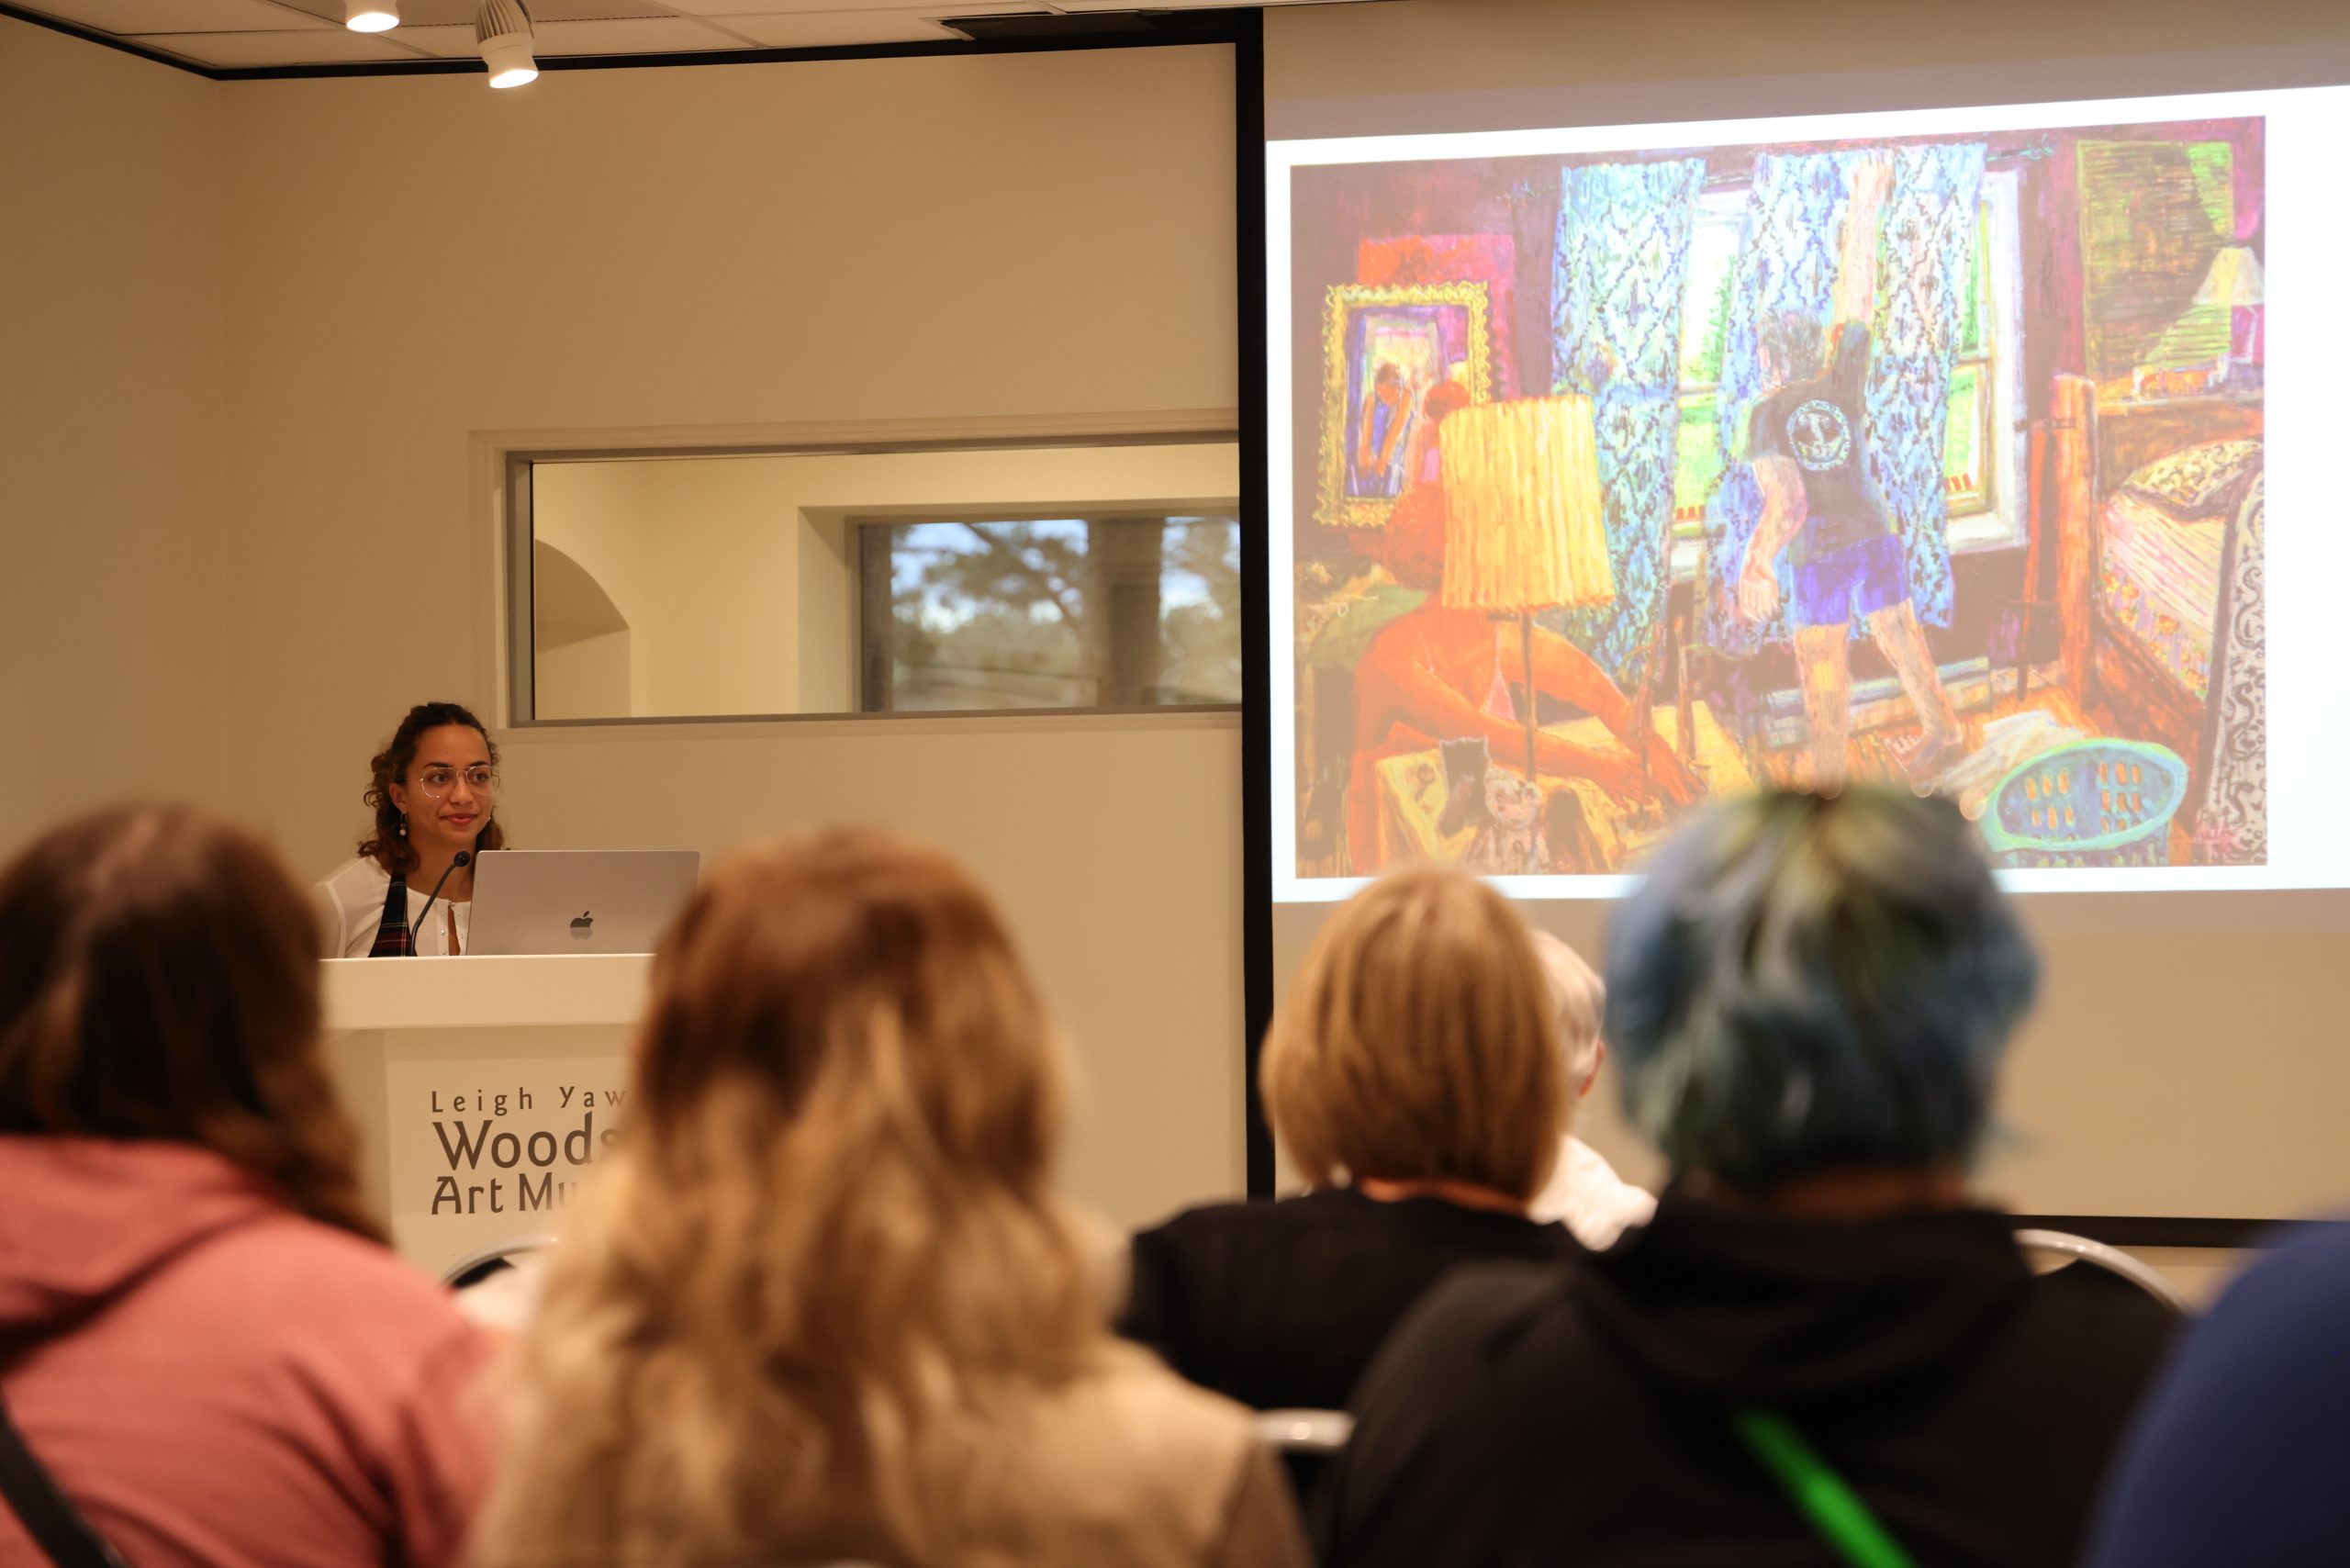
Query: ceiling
[(248, 34)]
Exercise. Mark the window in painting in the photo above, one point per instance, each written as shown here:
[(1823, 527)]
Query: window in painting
[(1979, 472)]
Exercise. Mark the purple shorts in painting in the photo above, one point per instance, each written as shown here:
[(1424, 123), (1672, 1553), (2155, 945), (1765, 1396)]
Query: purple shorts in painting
[(1858, 579)]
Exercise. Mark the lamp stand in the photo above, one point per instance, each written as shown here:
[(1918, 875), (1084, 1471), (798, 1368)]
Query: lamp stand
[(1526, 646)]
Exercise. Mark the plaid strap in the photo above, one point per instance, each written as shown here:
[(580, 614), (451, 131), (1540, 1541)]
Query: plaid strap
[(393, 938)]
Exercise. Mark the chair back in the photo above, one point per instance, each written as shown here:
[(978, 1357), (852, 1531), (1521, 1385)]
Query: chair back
[(476, 1266), (1304, 1431), (2057, 1249)]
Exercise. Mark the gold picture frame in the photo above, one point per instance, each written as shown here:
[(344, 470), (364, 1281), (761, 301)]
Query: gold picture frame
[(1412, 317)]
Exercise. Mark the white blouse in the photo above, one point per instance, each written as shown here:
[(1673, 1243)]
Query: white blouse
[(1585, 1194), (350, 907)]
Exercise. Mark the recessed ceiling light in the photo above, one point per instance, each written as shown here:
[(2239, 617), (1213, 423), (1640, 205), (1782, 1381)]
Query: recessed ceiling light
[(371, 15), (502, 28)]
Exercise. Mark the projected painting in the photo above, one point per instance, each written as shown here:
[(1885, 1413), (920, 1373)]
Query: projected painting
[(1623, 481)]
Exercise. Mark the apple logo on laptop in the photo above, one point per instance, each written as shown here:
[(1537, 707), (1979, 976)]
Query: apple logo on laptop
[(584, 926)]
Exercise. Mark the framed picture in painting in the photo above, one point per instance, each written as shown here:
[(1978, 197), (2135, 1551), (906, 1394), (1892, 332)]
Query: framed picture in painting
[(1386, 347)]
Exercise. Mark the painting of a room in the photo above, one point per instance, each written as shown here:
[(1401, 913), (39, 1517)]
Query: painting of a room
[(1637, 479)]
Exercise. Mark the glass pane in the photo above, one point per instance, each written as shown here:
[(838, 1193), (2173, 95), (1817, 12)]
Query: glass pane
[(1974, 310), (1967, 438), (1064, 612), (1698, 463), (1705, 304)]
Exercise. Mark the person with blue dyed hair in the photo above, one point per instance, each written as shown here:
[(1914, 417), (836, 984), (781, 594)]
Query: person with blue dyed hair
[(1820, 1350), (1807, 988)]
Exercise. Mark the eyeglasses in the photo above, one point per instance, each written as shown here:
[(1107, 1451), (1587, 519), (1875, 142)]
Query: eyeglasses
[(437, 781)]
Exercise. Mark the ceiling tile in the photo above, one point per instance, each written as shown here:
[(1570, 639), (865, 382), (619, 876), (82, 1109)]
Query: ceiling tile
[(825, 29), (460, 13), (129, 16), (648, 35), (595, 10), (325, 46), (450, 42), (652, 36), (786, 7)]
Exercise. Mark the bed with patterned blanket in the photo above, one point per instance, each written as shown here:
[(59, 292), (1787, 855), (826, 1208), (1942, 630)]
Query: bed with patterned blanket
[(2166, 542), (2180, 629)]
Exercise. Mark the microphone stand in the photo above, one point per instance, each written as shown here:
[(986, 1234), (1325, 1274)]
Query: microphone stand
[(465, 858)]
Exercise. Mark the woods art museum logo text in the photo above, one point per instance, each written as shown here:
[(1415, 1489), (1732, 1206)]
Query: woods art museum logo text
[(503, 1156)]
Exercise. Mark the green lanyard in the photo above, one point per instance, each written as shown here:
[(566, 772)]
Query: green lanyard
[(1817, 1492)]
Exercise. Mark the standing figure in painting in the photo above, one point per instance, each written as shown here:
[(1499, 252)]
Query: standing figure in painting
[(1383, 432), (1438, 674), (1810, 455)]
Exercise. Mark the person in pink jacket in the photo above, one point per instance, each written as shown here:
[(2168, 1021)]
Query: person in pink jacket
[(203, 1340)]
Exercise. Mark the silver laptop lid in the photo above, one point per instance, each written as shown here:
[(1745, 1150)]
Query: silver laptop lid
[(577, 900)]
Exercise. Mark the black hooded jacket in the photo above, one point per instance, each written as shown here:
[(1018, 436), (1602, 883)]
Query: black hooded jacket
[(1581, 1413)]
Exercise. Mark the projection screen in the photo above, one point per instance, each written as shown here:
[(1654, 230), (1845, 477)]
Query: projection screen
[(1882, 428)]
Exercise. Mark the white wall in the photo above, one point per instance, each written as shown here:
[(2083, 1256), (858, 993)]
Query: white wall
[(647, 252), (585, 669), (580, 664), (113, 345), (583, 676)]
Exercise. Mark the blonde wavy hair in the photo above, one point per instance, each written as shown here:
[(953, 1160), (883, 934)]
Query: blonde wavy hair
[(824, 1266), (1418, 1042)]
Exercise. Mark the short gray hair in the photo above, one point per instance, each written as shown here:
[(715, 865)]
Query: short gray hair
[(1580, 998), (1802, 982)]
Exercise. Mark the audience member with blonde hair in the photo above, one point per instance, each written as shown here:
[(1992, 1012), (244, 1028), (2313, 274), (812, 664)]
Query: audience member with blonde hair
[(822, 1303), (1822, 1349), (1584, 1194), (1413, 1077), (204, 1342)]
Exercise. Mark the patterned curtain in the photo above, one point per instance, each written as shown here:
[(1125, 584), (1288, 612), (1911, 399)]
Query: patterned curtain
[(1786, 262), (1928, 248), (1621, 268)]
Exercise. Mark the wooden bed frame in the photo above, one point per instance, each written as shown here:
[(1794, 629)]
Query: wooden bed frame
[(2095, 449)]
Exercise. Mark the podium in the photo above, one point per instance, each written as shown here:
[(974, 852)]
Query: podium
[(485, 1089)]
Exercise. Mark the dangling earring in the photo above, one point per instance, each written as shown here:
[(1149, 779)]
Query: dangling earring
[(403, 826)]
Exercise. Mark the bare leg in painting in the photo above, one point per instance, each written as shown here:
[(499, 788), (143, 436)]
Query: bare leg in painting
[(1942, 739), (1824, 670)]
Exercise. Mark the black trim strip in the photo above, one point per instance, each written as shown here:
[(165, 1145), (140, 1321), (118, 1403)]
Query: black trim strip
[(944, 48), (1166, 31), (1257, 804), (106, 41), (2149, 1230)]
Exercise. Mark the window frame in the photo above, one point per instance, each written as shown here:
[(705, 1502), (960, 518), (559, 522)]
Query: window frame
[(1996, 520), (504, 460), (2001, 521)]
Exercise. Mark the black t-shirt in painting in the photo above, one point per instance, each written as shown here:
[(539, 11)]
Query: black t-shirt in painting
[(1282, 1305), (1817, 424)]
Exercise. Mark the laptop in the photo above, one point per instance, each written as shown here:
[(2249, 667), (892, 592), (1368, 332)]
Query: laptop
[(577, 900)]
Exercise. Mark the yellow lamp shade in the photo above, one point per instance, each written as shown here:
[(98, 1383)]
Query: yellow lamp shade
[(2237, 278), (1525, 529)]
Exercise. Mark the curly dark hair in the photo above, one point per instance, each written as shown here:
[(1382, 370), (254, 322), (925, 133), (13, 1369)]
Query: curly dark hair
[(162, 984), (385, 844), (1797, 341)]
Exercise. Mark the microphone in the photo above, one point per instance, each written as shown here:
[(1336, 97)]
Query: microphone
[(465, 858)]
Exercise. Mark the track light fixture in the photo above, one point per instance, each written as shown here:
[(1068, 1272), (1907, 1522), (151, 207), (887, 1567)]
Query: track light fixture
[(503, 29), (371, 15)]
